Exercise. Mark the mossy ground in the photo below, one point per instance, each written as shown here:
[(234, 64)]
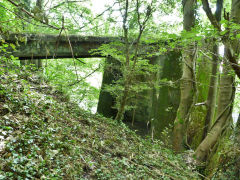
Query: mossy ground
[(44, 136)]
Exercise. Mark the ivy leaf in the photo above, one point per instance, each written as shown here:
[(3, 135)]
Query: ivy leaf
[(238, 36), (13, 46), (223, 32)]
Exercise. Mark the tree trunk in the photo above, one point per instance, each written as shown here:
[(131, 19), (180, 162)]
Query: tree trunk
[(212, 91), (237, 143), (123, 101), (186, 84), (27, 5), (238, 121), (197, 112), (224, 112), (237, 131), (226, 92), (235, 15), (36, 62)]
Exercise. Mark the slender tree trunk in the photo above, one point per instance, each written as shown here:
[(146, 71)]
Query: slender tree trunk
[(27, 5), (39, 4), (237, 143), (235, 16), (186, 85), (226, 97), (38, 62), (236, 19), (129, 69), (126, 73), (238, 121), (212, 91), (237, 132), (123, 101)]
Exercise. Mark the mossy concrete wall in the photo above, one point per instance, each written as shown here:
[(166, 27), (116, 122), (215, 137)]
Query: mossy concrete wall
[(155, 108), (106, 100), (166, 98)]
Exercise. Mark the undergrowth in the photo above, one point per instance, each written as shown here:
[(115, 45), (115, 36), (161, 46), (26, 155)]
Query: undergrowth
[(44, 136)]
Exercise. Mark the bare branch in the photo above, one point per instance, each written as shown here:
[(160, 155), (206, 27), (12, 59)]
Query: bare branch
[(86, 76), (97, 16), (62, 3)]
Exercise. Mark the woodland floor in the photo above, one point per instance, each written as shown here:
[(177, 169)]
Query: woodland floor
[(44, 136)]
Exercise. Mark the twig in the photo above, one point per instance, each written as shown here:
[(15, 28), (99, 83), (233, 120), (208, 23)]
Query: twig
[(99, 15), (201, 104), (32, 16), (85, 76), (22, 17), (70, 45), (58, 38), (180, 169), (60, 4), (7, 21), (80, 61), (150, 173)]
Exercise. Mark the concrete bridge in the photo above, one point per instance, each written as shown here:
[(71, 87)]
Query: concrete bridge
[(156, 106), (48, 46)]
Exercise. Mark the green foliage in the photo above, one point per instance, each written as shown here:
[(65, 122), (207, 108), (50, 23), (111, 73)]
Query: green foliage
[(141, 75), (45, 137), (83, 87)]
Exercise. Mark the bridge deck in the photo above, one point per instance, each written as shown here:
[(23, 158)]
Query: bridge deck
[(47, 46)]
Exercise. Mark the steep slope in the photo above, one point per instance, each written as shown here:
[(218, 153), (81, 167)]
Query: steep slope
[(44, 136)]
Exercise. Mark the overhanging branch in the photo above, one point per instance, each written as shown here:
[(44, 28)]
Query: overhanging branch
[(232, 59), (31, 15)]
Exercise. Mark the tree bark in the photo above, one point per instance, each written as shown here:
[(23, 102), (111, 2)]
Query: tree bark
[(238, 121), (212, 92), (211, 99), (224, 112), (230, 48), (126, 74), (227, 90), (187, 79), (129, 69), (38, 62), (27, 5), (237, 131)]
